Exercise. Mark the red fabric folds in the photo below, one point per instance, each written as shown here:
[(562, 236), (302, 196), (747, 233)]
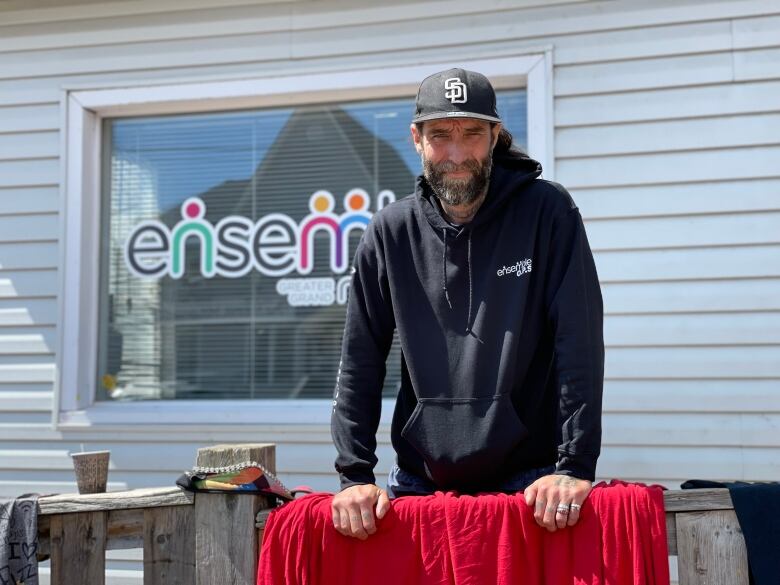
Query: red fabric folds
[(451, 539)]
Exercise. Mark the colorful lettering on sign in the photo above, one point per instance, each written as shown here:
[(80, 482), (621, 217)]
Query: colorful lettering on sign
[(275, 245)]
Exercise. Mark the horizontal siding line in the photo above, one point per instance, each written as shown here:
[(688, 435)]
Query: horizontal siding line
[(682, 117), (674, 345), (661, 151), (710, 279), (27, 158), (692, 182), (688, 53), (29, 103), (645, 443), (636, 90), (38, 186), (52, 268), (572, 187), (686, 411), (29, 297), (692, 312), (35, 241), (670, 214), (24, 326), (690, 247), (692, 378), (31, 130), (11, 214), (34, 185), (683, 280)]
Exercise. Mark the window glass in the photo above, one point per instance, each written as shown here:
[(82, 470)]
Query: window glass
[(228, 239)]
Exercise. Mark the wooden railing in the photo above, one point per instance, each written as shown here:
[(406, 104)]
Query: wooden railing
[(213, 539)]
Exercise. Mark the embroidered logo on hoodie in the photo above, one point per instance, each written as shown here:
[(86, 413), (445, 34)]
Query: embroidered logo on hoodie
[(518, 268)]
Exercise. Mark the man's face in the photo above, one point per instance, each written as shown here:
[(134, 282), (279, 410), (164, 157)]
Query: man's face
[(456, 157)]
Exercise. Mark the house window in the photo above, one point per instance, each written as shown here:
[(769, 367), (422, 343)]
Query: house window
[(226, 241)]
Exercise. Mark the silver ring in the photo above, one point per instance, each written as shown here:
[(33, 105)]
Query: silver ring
[(576, 507), (563, 509)]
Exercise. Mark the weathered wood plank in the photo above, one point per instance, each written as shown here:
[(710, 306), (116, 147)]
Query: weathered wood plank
[(221, 455), (169, 545), (262, 518), (124, 530), (671, 533), (226, 540), (140, 498), (711, 549), (78, 548)]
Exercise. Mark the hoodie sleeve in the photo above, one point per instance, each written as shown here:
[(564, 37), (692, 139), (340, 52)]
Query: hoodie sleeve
[(575, 311), (368, 334)]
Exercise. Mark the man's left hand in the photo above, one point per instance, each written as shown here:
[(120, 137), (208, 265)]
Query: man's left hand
[(557, 499)]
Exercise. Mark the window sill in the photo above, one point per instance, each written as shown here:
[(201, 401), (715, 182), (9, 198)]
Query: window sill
[(208, 412)]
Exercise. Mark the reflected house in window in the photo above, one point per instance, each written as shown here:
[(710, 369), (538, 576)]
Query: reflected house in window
[(133, 333), (238, 337)]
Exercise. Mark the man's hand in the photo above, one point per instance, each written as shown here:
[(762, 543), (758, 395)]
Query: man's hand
[(353, 510), (551, 491)]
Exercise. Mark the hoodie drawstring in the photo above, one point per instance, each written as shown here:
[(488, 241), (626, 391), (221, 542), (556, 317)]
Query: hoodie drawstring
[(471, 288), (471, 283), (444, 261)]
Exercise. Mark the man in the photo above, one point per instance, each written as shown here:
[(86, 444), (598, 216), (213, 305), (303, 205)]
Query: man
[(486, 273)]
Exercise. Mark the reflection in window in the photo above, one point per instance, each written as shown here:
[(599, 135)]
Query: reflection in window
[(228, 243)]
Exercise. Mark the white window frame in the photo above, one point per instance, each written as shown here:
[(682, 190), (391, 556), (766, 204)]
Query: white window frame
[(84, 108)]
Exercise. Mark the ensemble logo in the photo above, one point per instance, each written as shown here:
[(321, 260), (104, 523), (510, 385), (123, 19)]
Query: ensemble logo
[(456, 90), (518, 268), (275, 245)]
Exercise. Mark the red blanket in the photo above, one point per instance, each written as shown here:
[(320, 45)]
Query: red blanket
[(492, 539)]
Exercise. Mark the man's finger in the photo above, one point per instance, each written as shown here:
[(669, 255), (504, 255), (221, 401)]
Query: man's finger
[(574, 512), (367, 517), (549, 513), (356, 523), (336, 518), (344, 522), (539, 507), (562, 514), (382, 505), (530, 494)]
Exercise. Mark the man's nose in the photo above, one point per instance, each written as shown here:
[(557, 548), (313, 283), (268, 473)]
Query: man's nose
[(457, 154)]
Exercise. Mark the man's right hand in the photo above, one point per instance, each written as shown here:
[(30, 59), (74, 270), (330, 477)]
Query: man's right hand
[(354, 508)]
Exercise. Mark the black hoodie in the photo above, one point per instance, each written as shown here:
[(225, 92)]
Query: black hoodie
[(500, 325)]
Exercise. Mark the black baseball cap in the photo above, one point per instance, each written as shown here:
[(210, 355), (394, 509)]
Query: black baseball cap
[(456, 93)]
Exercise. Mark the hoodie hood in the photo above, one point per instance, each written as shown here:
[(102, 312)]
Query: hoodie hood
[(511, 171)]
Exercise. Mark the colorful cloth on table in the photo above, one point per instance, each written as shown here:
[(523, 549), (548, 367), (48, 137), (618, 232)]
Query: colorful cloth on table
[(246, 477), (451, 539)]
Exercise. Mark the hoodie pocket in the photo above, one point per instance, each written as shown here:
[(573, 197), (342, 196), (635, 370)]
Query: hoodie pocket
[(464, 442)]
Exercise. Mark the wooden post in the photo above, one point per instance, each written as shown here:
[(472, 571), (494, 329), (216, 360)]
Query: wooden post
[(226, 544), (169, 545), (78, 548), (711, 549)]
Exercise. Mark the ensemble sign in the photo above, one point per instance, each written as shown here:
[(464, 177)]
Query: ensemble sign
[(275, 245)]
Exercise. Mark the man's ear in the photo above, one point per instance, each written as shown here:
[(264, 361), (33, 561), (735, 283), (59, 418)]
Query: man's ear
[(416, 138)]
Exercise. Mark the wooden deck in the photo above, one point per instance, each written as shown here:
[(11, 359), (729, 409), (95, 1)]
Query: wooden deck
[(214, 538)]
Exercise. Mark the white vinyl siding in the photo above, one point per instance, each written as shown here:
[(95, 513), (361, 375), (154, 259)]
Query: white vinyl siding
[(666, 132)]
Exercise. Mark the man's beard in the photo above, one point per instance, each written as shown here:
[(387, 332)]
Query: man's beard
[(458, 191)]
